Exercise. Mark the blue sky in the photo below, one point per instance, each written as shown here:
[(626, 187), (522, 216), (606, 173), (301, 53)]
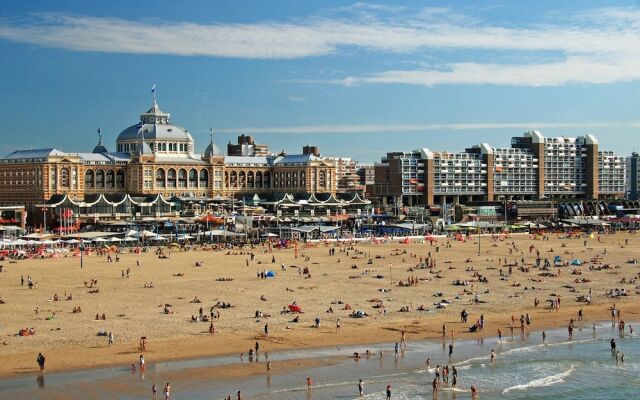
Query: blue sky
[(356, 79)]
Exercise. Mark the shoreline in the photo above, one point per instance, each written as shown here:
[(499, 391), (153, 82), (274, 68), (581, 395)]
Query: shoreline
[(231, 345)]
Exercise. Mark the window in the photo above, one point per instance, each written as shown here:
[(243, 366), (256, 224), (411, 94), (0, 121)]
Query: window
[(160, 177), (171, 178), (204, 178)]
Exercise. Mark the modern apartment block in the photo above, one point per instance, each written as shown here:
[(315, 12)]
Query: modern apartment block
[(534, 167), (633, 176)]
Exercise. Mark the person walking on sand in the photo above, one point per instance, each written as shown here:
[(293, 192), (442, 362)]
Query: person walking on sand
[(110, 338), (360, 388), (41, 361), (154, 392)]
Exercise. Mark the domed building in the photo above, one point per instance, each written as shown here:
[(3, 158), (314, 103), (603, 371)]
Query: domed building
[(157, 158), (156, 130)]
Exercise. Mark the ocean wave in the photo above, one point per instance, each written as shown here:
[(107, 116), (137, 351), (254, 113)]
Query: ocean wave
[(541, 382)]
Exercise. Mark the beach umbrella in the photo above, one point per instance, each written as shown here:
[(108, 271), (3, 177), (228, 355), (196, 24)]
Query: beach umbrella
[(73, 241), (130, 239)]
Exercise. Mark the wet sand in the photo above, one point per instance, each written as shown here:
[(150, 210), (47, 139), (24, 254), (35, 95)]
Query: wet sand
[(69, 341)]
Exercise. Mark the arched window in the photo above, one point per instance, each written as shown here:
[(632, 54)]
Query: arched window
[(171, 178), (204, 178), (233, 179), (89, 179), (111, 178), (193, 178), (259, 179), (182, 178), (226, 179), (160, 178), (120, 179), (99, 178), (242, 179), (250, 179)]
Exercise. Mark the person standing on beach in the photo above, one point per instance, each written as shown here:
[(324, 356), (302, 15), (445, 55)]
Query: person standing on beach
[(450, 350), (110, 338), (41, 361), (338, 324), (142, 368), (167, 391), (154, 392), (493, 355), (360, 388), (397, 349), (388, 392), (266, 329), (309, 384)]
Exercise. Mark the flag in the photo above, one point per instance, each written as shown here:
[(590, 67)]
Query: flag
[(153, 89), (99, 131)]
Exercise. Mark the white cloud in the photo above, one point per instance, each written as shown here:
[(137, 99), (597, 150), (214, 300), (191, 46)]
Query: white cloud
[(385, 128), (297, 99), (599, 46)]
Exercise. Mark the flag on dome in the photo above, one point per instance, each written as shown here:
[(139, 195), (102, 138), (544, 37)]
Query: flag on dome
[(153, 89)]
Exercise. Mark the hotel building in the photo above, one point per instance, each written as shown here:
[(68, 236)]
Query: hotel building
[(156, 159)]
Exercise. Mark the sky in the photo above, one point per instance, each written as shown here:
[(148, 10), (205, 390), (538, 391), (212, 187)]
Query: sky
[(357, 79)]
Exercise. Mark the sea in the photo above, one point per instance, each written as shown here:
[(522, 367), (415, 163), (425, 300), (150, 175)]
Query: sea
[(525, 367)]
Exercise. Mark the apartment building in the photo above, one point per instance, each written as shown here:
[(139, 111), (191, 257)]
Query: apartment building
[(534, 167)]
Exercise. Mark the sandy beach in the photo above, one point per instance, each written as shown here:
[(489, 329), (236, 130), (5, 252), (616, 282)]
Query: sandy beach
[(69, 340)]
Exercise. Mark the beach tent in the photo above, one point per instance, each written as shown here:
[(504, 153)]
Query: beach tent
[(270, 274), (99, 240), (73, 241), (130, 239), (132, 233), (575, 261), (147, 234)]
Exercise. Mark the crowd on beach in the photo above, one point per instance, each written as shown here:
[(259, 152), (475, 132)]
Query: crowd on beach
[(524, 270)]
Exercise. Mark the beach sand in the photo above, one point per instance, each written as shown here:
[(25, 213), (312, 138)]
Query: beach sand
[(69, 341)]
